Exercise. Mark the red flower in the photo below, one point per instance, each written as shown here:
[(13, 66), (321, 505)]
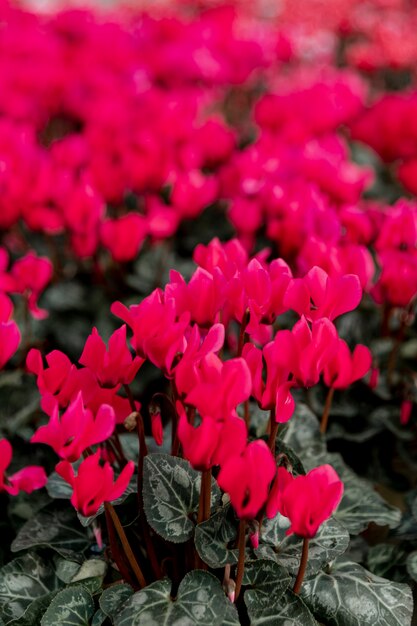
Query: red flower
[(246, 478), (27, 479), (76, 430), (94, 483), (320, 295), (112, 366), (9, 341), (307, 501), (157, 334), (124, 236), (345, 368)]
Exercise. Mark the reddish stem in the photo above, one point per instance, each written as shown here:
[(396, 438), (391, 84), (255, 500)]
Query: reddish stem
[(241, 560), (125, 544), (326, 411), (302, 568)]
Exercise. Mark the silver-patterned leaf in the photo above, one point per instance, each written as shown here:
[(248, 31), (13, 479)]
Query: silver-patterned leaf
[(54, 527), (288, 610), (73, 606), (302, 433), (411, 564), (349, 595), (213, 537), (171, 490), (99, 618), (231, 617), (331, 541), (360, 504), (268, 582), (384, 558), (112, 598), (200, 602), (23, 581)]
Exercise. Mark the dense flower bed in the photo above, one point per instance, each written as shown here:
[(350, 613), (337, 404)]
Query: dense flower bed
[(208, 279)]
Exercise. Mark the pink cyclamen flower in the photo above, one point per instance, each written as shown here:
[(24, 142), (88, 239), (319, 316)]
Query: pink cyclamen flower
[(112, 366), (9, 341), (186, 372), (31, 275), (157, 332), (405, 412), (76, 430), (307, 501), (211, 442), (220, 386), (124, 236), (312, 350), (319, 295), (27, 479), (246, 478), (345, 368), (94, 483)]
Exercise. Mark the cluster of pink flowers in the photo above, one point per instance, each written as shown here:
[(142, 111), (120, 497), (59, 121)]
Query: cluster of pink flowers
[(182, 330), (118, 144)]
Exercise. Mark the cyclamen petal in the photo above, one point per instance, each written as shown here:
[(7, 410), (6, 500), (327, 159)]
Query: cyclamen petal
[(9, 341), (94, 483), (307, 501), (246, 478), (27, 479)]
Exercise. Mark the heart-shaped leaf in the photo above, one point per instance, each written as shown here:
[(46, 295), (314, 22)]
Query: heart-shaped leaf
[(112, 598), (215, 539), (269, 582), (26, 580), (288, 610), (73, 606), (350, 595), (55, 527), (412, 565), (171, 491), (331, 541), (200, 601)]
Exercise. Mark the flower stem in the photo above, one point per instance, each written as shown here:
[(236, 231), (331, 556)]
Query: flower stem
[(302, 568), (326, 411), (241, 561), (126, 545), (205, 497), (143, 451)]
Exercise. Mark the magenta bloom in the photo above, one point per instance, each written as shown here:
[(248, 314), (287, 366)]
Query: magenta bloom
[(76, 430), (27, 479), (312, 350), (157, 333), (124, 236), (220, 387), (9, 341), (319, 295), (307, 501), (187, 371), (246, 478), (29, 276), (112, 366), (345, 368), (203, 297), (212, 442), (94, 483)]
